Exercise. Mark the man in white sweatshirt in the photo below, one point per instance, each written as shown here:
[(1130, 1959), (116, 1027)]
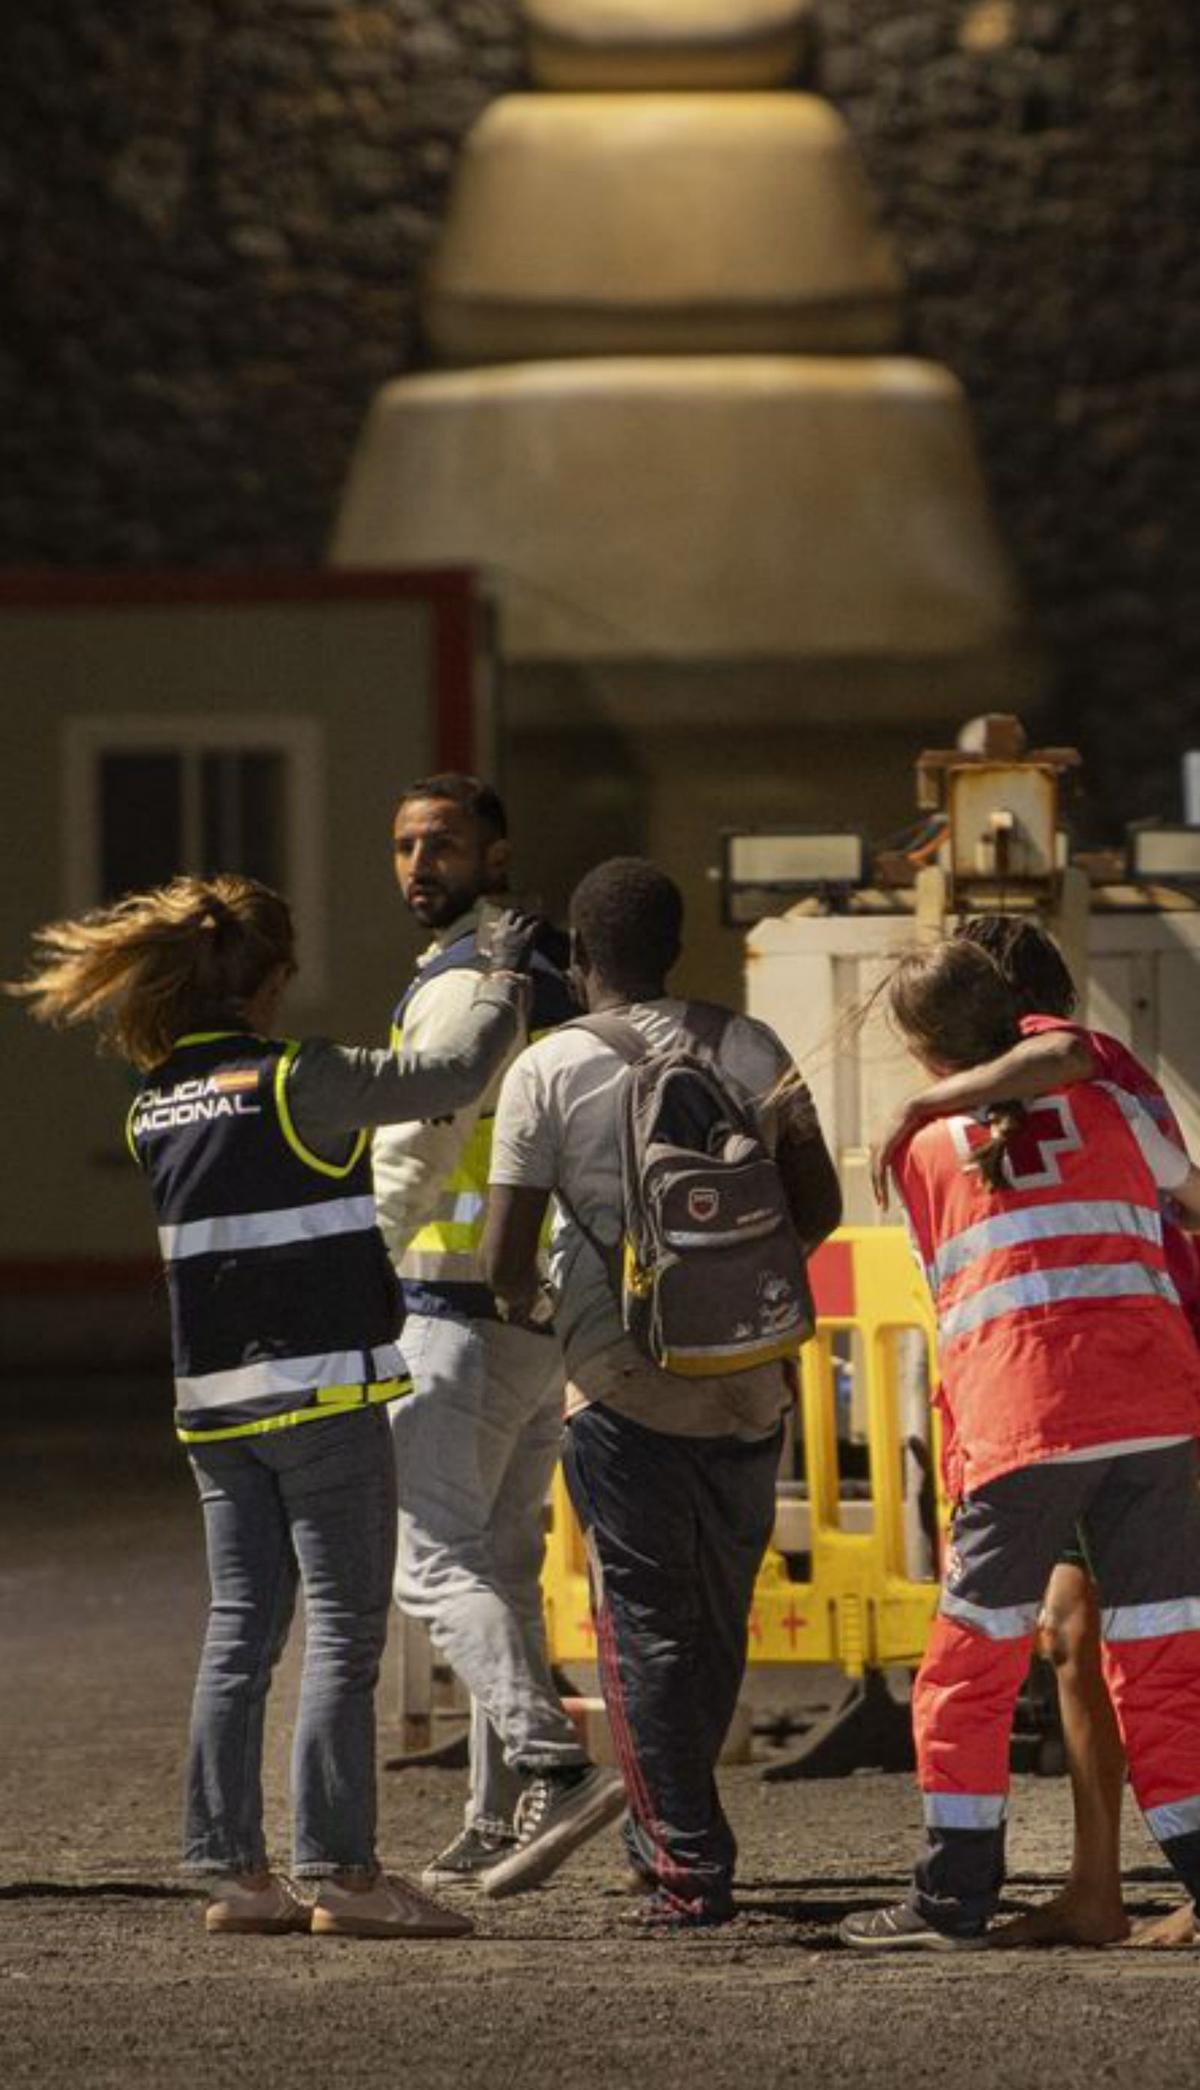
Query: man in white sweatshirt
[(477, 1439)]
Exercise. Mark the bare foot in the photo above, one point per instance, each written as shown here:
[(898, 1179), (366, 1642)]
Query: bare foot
[(1166, 1933), (1070, 1918)]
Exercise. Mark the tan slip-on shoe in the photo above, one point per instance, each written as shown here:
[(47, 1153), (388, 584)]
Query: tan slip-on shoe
[(388, 1908), (234, 1909)]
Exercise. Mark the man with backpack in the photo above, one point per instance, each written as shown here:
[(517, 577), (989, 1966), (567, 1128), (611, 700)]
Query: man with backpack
[(691, 1180)]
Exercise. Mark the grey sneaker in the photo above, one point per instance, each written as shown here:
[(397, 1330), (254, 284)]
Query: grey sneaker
[(473, 1852), (900, 1929), (557, 1811)]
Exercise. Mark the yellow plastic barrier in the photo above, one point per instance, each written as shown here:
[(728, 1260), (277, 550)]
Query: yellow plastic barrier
[(861, 1605)]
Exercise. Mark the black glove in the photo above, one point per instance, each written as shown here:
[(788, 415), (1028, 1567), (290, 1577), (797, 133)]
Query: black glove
[(512, 941)]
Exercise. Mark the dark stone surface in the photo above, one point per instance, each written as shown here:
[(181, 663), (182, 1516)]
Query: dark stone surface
[(216, 215), (1041, 184), (106, 1977)]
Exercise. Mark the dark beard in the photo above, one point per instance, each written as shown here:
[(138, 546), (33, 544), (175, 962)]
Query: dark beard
[(440, 910)]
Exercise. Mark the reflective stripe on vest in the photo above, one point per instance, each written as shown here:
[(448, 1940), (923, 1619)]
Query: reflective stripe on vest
[(447, 1245), (332, 1400), (237, 1230), (1012, 1295), (331, 1375), (1045, 1223), (283, 1303), (463, 1209), (441, 1266), (1044, 1330), (445, 1249), (963, 1810)]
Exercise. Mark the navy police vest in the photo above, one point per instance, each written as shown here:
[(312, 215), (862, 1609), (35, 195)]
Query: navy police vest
[(284, 1304)]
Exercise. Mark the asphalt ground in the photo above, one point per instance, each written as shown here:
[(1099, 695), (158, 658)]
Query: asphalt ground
[(107, 1978)]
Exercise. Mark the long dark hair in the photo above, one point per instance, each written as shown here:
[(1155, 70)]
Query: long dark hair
[(956, 1009), (1029, 959)]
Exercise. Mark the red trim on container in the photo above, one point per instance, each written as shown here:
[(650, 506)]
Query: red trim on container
[(450, 592)]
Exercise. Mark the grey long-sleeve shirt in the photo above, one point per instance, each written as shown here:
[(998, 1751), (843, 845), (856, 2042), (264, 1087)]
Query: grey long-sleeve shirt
[(335, 1090)]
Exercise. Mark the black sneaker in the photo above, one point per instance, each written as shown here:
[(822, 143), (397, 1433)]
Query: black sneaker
[(464, 1862), (557, 1811), (900, 1929)]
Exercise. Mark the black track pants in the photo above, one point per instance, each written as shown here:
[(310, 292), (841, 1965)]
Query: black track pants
[(676, 1528)]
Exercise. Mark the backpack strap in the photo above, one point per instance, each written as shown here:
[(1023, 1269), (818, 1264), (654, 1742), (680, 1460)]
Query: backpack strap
[(617, 1031), (705, 1023), (626, 1039)]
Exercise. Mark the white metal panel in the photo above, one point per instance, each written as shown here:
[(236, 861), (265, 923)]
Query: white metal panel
[(1179, 1038), (1109, 991), (807, 975)]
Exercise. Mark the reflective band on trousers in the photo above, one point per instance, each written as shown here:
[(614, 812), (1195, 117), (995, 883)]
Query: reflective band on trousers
[(1045, 1223), (964, 1810), (1173, 1818), (1001, 1622), (1054, 1288), (1151, 1621), (287, 1375), (232, 1231)]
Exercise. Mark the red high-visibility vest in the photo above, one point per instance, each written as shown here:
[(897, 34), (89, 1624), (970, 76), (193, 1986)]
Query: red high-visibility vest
[(1115, 1063), (1059, 1327)]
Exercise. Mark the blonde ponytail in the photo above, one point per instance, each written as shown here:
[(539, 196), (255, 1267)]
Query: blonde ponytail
[(186, 956)]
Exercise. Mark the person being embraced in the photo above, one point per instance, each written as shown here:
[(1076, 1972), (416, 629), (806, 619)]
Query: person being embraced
[(284, 1318), (1052, 1052), (1071, 1379)]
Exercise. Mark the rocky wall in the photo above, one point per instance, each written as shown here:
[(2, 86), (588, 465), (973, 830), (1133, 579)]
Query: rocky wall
[(216, 214), (1037, 161)]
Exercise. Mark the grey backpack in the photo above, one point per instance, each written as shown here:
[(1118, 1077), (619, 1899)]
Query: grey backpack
[(709, 1272)]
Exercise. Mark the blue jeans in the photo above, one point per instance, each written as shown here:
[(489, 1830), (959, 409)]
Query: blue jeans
[(313, 1505)]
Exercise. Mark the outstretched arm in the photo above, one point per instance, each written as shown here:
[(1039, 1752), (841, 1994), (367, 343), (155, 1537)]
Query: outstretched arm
[(335, 1089), (1051, 1060), (338, 1089)]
